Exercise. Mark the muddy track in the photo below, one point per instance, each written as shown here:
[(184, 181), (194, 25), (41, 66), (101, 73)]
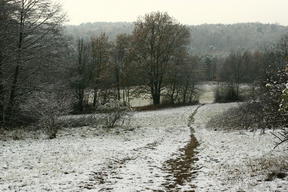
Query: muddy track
[(181, 170)]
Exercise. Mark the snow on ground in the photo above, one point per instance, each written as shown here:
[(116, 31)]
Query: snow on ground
[(89, 159), (235, 161), (97, 161)]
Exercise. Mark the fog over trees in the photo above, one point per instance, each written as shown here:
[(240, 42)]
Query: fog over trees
[(216, 39)]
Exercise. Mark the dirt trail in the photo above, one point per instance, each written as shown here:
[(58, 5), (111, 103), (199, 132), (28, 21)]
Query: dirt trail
[(177, 171), (147, 164), (181, 170)]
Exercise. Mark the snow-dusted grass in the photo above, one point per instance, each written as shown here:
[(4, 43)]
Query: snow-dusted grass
[(236, 160), (133, 159), (87, 158)]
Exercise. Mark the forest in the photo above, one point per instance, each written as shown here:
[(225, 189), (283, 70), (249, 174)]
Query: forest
[(58, 80)]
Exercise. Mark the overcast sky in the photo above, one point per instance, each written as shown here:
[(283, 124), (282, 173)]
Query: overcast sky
[(185, 11)]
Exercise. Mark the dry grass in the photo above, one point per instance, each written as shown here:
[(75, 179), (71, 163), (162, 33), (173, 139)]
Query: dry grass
[(269, 167), (245, 116)]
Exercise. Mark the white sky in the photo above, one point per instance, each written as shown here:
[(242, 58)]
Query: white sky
[(185, 11)]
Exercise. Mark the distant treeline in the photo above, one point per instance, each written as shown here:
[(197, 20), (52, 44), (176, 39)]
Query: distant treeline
[(212, 39)]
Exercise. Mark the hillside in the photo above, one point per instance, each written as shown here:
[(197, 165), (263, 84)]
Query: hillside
[(219, 39), (215, 39)]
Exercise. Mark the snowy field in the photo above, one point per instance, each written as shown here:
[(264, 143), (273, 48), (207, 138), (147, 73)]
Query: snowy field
[(236, 161), (149, 156), (90, 159)]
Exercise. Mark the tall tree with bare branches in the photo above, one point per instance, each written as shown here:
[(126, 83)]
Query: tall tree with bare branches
[(157, 37), (100, 47)]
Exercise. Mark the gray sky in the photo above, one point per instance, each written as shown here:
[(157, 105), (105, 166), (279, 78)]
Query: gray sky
[(185, 11)]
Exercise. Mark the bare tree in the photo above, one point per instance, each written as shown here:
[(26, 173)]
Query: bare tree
[(34, 39), (7, 49), (210, 67), (80, 73), (121, 63), (100, 60), (156, 38), (182, 78)]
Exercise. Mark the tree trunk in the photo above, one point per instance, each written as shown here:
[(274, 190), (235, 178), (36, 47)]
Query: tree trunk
[(2, 120), (123, 95), (118, 93), (156, 97), (185, 92), (95, 97), (118, 83), (172, 99), (80, 100), (12, 96), (128, 96)]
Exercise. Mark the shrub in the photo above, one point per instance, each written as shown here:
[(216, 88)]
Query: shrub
[(45, 108), (108, 115), (245, 116), (117, 113), (79, 121), (282, 135)]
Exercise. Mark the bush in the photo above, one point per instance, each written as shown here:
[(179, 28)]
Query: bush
[(117, 113), (245, 116), (109, 115), (45, 108), (282, 135), (79, 121)]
